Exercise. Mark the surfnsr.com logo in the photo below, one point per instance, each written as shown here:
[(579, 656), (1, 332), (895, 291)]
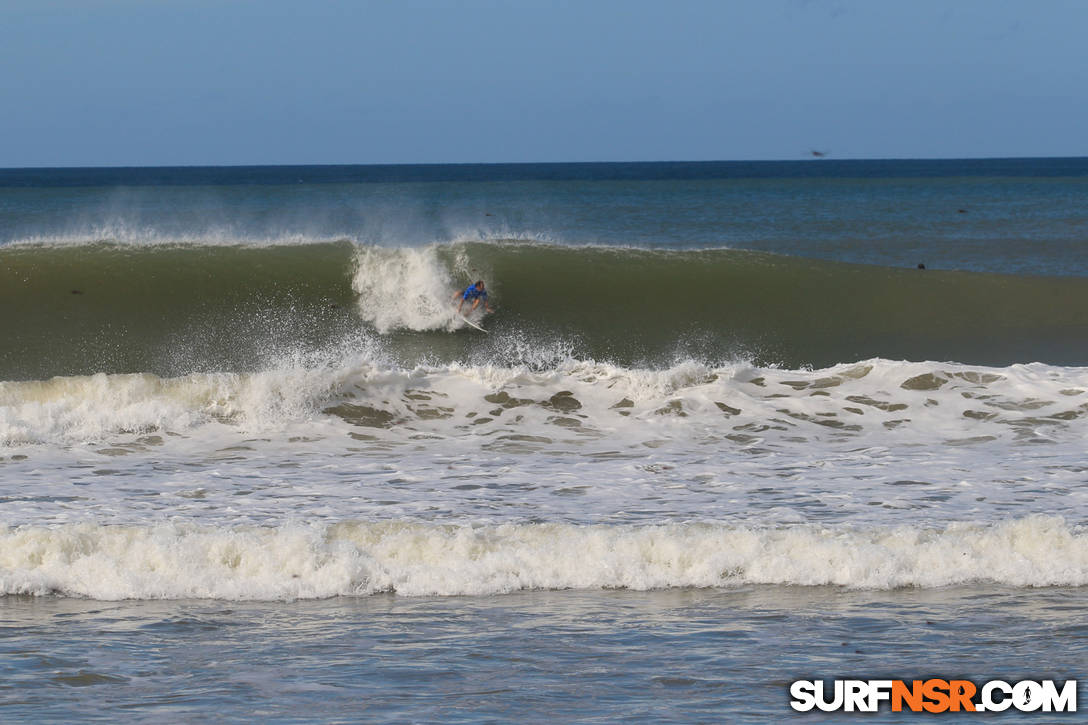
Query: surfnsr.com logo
[(934, 695)]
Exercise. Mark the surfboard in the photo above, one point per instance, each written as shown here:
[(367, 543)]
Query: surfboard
[(472, 323)]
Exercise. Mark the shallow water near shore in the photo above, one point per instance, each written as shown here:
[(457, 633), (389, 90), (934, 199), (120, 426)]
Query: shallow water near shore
[(676, 655)]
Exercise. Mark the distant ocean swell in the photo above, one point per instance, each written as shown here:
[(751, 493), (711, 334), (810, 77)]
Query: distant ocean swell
[(302, 561), (176, 308)]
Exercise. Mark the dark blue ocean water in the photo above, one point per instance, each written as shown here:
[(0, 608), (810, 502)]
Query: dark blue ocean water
[(1015, 216)]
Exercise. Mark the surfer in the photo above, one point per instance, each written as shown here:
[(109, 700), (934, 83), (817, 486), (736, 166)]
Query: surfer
[(474, 292)]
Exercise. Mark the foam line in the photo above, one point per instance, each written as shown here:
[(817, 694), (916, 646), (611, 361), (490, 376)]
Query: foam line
[(169, 561)]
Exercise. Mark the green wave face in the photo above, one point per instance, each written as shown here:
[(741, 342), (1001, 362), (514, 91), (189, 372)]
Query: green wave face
[(172, 309), (167, 309), (774, 309)]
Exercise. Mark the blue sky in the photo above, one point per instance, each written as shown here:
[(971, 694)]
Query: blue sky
[(144, 82)]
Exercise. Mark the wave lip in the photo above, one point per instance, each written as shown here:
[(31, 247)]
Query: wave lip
[(173, 561)]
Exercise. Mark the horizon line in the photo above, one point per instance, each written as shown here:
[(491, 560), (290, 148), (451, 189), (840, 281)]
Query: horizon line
[(814, 160)]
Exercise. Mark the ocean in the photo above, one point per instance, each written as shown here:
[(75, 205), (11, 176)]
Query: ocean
[(731, 425)]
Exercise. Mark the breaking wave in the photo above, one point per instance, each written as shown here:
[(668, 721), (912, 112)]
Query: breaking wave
[(556, 394), (172, 308), (300, 561)]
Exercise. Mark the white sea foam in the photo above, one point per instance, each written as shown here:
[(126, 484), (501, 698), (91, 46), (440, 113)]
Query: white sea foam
[(404, 288), (352, 558), (874, 400), (79, 409), (563, 440)]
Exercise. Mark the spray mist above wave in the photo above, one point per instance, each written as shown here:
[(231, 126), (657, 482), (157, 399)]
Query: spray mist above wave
[(171, 561), (133, 237)]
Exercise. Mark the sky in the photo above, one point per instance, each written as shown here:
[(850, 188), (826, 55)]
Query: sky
[(195, 82)]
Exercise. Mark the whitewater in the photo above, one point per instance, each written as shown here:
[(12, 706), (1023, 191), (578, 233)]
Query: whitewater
[(893, 448)]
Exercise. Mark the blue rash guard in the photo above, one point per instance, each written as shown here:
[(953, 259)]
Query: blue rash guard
[(472, 293)]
